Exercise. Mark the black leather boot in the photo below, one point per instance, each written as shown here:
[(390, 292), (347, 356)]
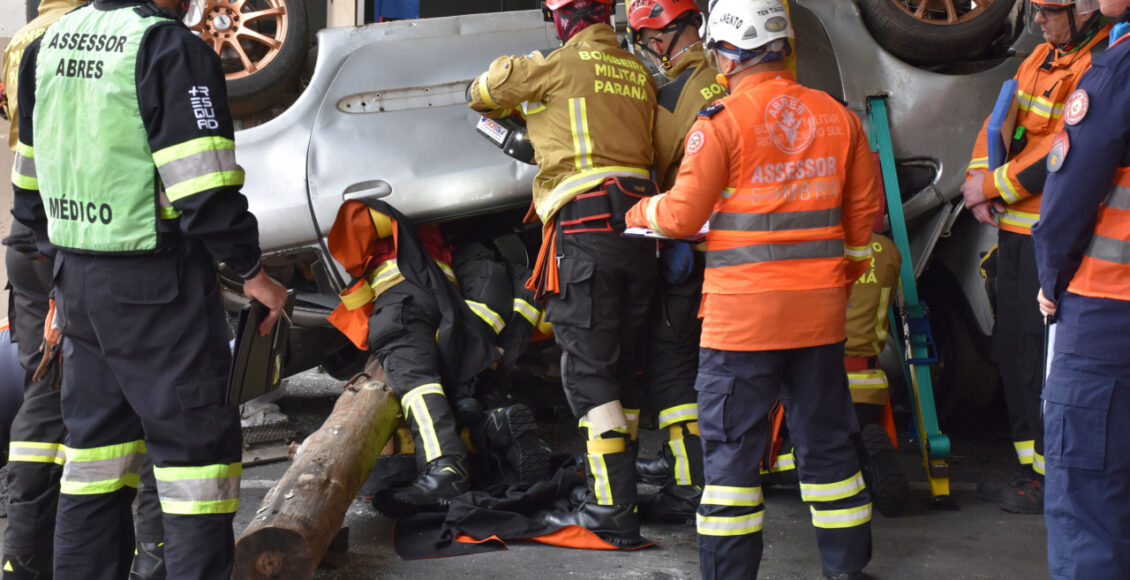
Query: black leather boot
[(509, 440), (148, 561), (26, 567), (609, 509), (654, 470), (444, 478), (672, 504), (618, 525)]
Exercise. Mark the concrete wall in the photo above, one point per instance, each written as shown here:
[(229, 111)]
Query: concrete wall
[(12, 17)]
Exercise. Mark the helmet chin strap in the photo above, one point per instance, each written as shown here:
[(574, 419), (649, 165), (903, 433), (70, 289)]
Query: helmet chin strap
[(669, 59), (1079, 34)]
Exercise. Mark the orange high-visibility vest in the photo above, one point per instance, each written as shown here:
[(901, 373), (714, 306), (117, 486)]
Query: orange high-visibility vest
[(778, 228), (1105, 269)]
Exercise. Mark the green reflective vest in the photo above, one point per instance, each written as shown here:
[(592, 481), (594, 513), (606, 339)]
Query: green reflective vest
[(96, 172)]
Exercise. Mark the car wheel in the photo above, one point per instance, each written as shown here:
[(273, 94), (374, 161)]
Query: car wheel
[(935, 31), (262, 45), (886, 481), (965, 382)]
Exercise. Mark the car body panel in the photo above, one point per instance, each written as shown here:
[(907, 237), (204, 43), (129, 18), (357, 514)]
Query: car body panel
[(384, 116)]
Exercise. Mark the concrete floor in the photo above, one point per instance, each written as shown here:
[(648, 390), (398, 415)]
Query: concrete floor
[(977, 541)]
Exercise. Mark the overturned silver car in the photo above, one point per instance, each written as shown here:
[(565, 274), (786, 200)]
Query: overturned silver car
[(384, 117)]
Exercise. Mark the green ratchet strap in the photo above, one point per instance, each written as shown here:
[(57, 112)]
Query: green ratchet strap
[(919, 341)]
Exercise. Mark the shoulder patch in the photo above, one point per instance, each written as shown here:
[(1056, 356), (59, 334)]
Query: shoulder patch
[(1077, 106), (695, 142), (711, 110)]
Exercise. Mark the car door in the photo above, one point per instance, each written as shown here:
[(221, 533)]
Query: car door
[(394, 123)]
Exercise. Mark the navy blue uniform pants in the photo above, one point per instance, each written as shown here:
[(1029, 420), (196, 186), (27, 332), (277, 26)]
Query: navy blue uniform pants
[(37, 429), (736, 392), (145, 367), (1087, 497), (1018, 344)]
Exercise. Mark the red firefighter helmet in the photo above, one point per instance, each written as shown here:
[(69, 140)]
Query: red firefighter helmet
[(657, 14), (556, 4)]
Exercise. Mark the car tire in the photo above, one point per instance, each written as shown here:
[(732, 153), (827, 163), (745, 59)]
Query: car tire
[(966, 383), (262, 57), (886, 481), (928, 38)]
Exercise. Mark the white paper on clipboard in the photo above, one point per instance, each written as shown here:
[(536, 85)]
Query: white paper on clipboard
[(649, 233), (1050, 351)]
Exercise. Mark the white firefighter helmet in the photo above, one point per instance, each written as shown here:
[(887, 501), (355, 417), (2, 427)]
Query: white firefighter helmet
[(747, 24)]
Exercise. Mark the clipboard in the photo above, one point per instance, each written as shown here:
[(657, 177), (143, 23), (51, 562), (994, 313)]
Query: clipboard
[(639, 232), (257, 361), (1002, 124)]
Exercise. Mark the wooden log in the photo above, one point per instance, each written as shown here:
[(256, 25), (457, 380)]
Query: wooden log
[(303, 512)]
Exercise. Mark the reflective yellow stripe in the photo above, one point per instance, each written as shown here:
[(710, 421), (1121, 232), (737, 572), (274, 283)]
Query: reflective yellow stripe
[(1040, 106), (1004, 184), (182, 473), (100, 486), (199, 489), (357, 297), (8, 566), (484, 91), (845, 518), (1021, 219), (580, 183), (832, 491), (447, 271), (678, 414), (881, 320), (652, 217), (602, 487), (1024, 451), (527, 310), (25, 150), (385, 277), (682, 461), (36, 452), (191, 147), (731, 496), (23, 181), (786, 462), (489, 316), (858, 253), (730, 525), (106, 452), (1038, 463), (868, 387), (103, 469), (204, 183), (184, 507), (23, 168), (978, 163), (416, 409), (582, 142)]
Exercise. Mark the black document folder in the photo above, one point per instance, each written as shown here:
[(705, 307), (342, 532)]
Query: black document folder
[(257, 361)]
